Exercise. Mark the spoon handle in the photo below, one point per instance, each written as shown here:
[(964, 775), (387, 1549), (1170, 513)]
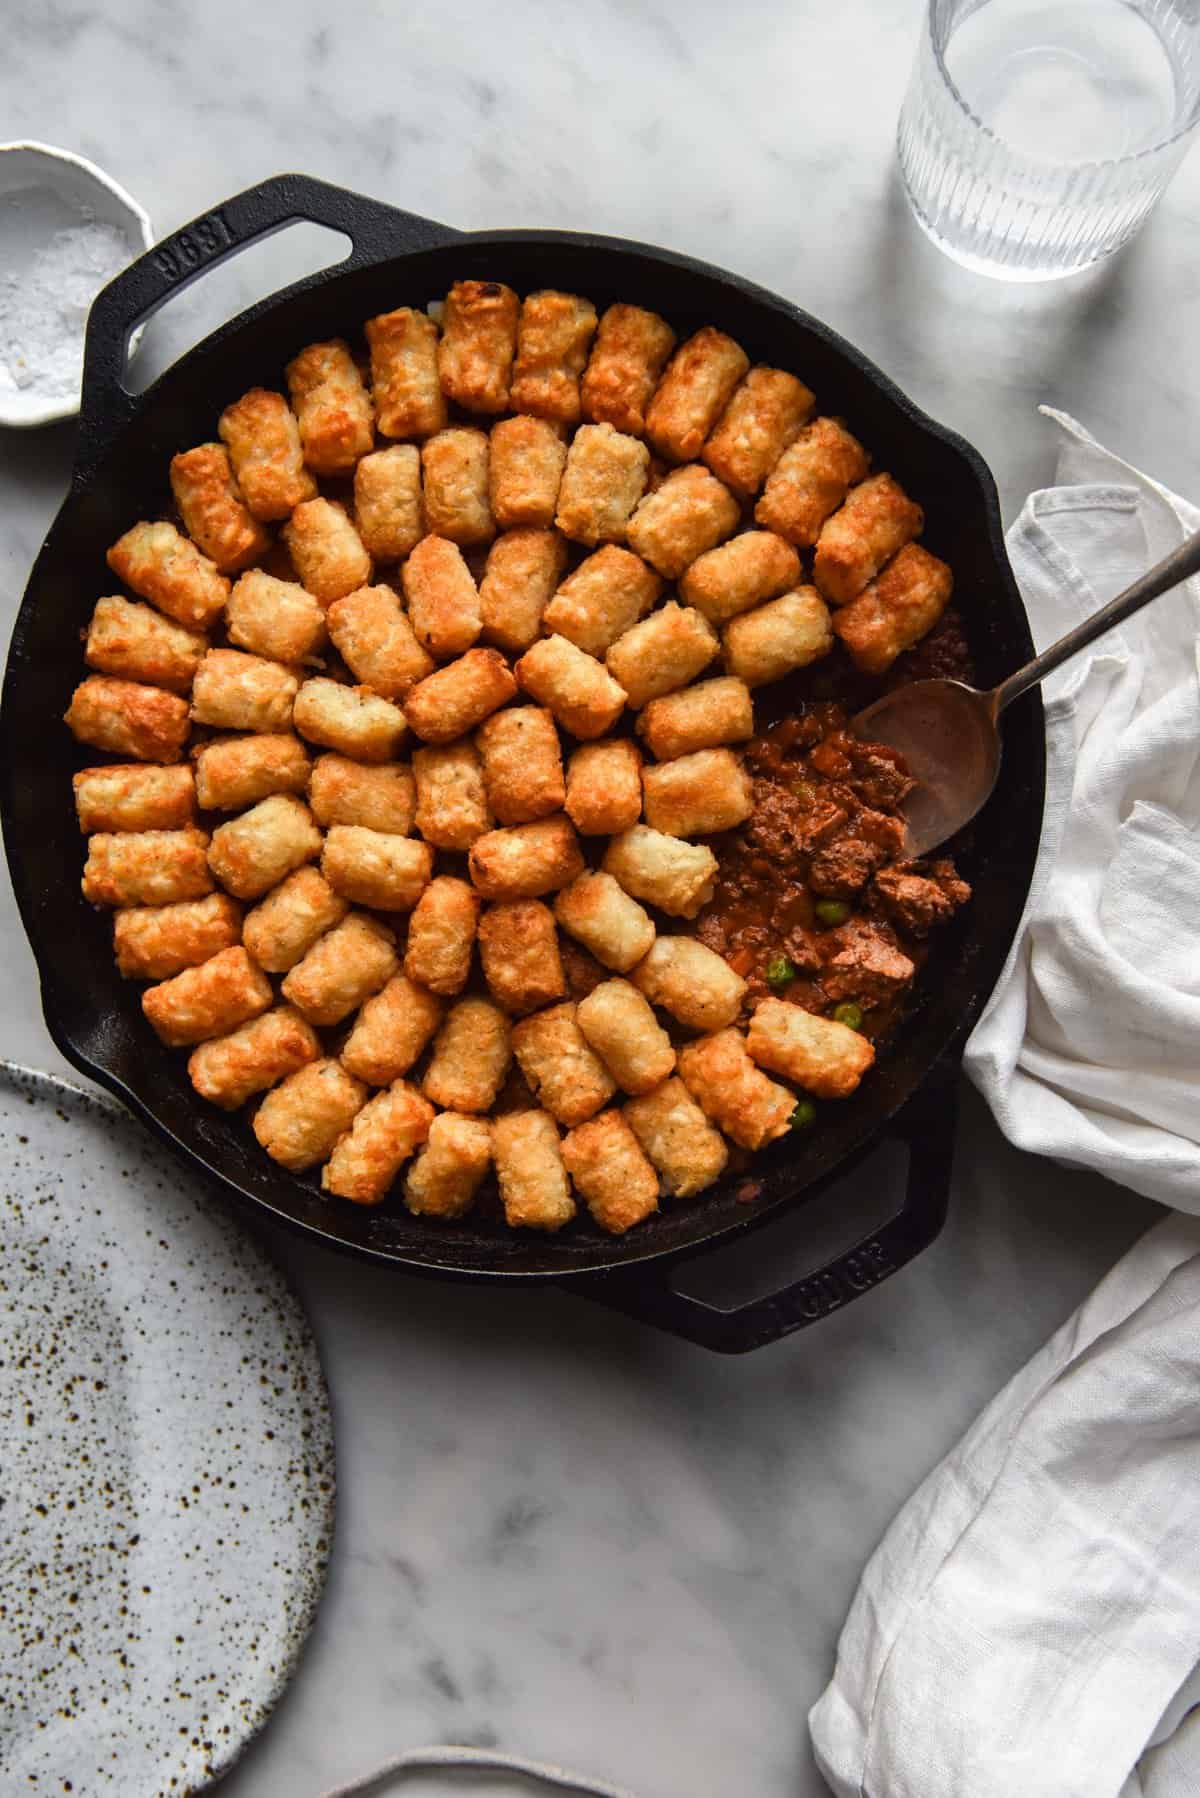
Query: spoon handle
[(1179, 566)]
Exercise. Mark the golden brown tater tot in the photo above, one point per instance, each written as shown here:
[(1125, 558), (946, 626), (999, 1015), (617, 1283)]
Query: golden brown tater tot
[(553, 337), (146, 867), (333, 408), (763, 416), (631, 349), (478, 343), (693, 393), (214, 514), (136, 643), (152, 942), (263, 439), (163, 567), (208, 1000), (299, 1122), (127, 718), (404, 373), (132, 796)]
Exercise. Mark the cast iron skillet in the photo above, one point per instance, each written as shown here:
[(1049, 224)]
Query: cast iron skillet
[(125, 444)]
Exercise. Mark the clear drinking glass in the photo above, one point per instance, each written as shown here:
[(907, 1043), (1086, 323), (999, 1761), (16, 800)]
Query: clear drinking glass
[(1036, 135)]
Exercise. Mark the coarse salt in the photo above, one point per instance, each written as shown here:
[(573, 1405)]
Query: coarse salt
[(43, 310)]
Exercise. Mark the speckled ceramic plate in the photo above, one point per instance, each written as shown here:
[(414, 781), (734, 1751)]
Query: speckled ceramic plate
[(166, 1462)]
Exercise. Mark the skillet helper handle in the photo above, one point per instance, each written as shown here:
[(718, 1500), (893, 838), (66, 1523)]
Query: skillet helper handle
[(376, 231)]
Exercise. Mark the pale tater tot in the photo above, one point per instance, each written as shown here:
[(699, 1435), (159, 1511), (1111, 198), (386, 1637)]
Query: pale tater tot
[(518, 951), (700, 717), (452, 808), (605, 1160), (235, 691), (688, 514), (676, 877), (454, 474), (526, 861), (299, 1122), (131, 796), (443, 601), (478, 343), (208, 1000), (441, 935), (214, 514), (561, 1071), (332, 407), (752, 567), (126, 718), (599, 601), (326, 550), (534, 1187), (228, 1070), (623, 1031), (603, 481), (826, 1058), (382, 795), (152, 942), (810, 480), (471, 1057), (599, 913), (696, 985), (677, 1138), (604, 787), (526, 458), (523, 569), (137, 643), (630, 351), (387, 502), (366, 1160), (583, 696), (254, 852), (391, 1031), (234, 772), (763, 416), (449, 1170), (693, 393), (282, 929), (876, 519), (352, 720), (404, 373), (263, 439), (662, 653), (273, 618), (772, 640), (146, 867), (733, 1092), (377, 643), (522, 764), (895, 610), (459, 696), (344, 966), (554, 334), (697, 795), (161, 565), (374, 868)]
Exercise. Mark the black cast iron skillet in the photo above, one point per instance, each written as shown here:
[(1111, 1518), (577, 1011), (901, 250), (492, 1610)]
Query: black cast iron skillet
[(125, 444)]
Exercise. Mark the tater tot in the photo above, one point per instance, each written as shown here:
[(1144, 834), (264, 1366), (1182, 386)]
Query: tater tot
[(631, 348), (126, 718), (387, 502), (750, 568), (146, 867), (344, 966), (763, 416), (599, 913), (227, 1070), (604, 787), (526, 458), (690, 981), (131, 796), (810, 480), (449, 1170), (479, 341), (299, 1122), (375, 868), (352, 720), (443, 601), (554, 333), (697, 795), (876, 519), (731, 1090), (583, 696), (533, 1182), (282, 929), (454, 474), (603, 481), (254, 852), (677, 1138), (382, 796), (522, 764), (605, 1160), (600, 600), (404, 373), (620, 1026), (824, 1057), (391, 1031), (208, 1000), (441, 935), (772, 640), (689, 513), (459, 696), (235, 691), (676, 877), (693, 393), (160, 564), (895, 610), (518, 951), (470, 1057), (214, 514), (526, 861), (263, 439), (137, 643), (273, 618), (366, 1160), (234, 772), (332, 407), (328, 553), (152, 942), (377, 642), (700, 717), (523, 569), (562, 1072), (452, 808), (662, 653)]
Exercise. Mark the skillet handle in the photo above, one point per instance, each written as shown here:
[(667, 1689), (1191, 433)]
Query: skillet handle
[(376, 231)]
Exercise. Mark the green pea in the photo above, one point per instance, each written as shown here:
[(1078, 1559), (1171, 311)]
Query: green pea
[(849, 1014), (780, 971), (803, 792), (831, 911), (804, 1116)]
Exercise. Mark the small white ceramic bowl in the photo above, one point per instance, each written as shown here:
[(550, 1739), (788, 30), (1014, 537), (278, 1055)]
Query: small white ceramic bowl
[(68, 184)]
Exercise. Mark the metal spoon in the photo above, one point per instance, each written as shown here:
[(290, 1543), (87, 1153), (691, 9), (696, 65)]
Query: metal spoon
[(948, 732)]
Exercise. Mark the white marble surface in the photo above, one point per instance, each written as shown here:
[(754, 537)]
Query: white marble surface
[(558, 1530)]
